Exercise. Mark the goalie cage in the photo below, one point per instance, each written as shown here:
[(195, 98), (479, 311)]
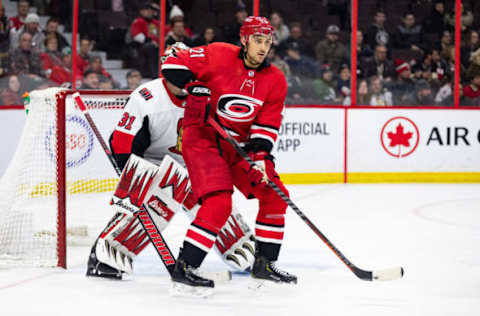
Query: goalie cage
[(58, 172)]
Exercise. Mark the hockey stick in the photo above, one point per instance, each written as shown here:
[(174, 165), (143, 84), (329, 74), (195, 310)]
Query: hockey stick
[(376, 275)]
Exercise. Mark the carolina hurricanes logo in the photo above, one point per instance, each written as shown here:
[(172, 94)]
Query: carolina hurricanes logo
[(238, 108)]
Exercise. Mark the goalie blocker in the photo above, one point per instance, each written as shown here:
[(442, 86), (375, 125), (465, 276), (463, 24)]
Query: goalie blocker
[(168, 191)]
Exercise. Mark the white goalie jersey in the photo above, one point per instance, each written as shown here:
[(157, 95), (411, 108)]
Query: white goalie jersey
[(150, 126)]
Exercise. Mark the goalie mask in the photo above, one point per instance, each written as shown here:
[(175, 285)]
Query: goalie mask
[(173, 49)]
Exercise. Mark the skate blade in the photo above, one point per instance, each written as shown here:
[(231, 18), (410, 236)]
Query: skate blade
[(183, 290), (255, 285), (217, 276), (262, 284)]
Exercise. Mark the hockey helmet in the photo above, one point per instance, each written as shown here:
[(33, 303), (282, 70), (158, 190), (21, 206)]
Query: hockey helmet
[(255, 25)]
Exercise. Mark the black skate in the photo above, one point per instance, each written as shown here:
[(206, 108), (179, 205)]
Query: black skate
[(187, 283), (96, 268), (266, 270)]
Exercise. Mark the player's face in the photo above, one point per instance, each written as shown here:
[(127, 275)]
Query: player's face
[(257, 50)]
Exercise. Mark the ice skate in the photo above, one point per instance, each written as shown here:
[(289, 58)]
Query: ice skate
[(264, 269), (185, 281)]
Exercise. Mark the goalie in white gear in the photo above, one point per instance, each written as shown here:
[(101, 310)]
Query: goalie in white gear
[(150, 127)]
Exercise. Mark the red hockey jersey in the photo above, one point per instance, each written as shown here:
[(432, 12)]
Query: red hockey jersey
[(248, 102)]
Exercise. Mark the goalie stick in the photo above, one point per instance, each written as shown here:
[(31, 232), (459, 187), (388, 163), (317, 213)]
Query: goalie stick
[(376, 275), (148, 224)]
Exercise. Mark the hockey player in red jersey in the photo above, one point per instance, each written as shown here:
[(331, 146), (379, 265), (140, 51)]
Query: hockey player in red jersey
[(150, 127), (247, 99)]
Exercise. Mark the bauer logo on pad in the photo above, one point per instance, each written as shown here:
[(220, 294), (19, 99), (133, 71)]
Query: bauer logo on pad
[(157, 205)]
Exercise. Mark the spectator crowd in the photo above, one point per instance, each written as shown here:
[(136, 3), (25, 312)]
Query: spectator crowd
[(411, 63)]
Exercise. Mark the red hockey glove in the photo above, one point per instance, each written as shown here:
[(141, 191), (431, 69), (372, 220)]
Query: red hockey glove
[(263, 171), (197, 105)]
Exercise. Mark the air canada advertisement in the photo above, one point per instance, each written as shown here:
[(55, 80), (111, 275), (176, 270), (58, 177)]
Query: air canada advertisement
[(381, 140)]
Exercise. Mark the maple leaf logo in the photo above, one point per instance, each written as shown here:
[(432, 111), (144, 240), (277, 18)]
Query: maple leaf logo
[(399, 138)]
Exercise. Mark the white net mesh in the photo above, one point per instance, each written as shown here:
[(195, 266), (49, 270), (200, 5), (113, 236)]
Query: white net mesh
[(28, 198)]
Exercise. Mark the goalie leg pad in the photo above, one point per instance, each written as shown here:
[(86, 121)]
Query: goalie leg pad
[(121, 242), (124, 237), (235, 243), (96, 268)]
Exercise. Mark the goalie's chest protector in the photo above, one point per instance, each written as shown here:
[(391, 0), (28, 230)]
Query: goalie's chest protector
[(164, 113)]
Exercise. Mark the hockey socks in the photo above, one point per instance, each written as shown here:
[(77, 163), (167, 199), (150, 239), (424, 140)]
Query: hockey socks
[(203, 231), (199, 239), (197, 244), (269, 230)]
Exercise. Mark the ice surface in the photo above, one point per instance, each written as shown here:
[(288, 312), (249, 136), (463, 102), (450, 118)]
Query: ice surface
[(432, 230)]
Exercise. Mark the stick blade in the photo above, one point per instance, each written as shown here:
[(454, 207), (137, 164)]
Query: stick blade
[(216, 276), (388, 274)]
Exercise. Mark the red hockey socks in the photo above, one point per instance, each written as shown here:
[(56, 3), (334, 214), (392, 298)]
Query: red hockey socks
[(270, 224), (269, 235), (201, 235)]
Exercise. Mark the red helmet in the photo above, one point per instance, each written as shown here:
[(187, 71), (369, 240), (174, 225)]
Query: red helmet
[(255, 25)]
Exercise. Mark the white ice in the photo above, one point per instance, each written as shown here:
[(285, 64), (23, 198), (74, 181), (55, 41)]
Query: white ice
[(432, 230)]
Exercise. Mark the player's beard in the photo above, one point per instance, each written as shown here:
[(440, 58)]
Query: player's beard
[(255, 60)]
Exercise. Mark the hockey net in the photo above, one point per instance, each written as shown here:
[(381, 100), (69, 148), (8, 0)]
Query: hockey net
[(56, 188)]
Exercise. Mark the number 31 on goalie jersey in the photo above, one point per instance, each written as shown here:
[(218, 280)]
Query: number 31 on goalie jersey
[(126, 121)]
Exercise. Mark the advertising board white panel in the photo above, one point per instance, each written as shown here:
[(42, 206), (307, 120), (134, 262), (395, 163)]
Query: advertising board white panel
[(413, 140), (311, 140)]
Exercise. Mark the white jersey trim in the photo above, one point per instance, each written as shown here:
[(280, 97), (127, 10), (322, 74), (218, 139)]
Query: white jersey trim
[(258, 135), (203, 233), (197, 244), (269, 240), (268, 129), (269, 228)]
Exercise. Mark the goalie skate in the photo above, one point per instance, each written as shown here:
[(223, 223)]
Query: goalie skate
[(95, 268)]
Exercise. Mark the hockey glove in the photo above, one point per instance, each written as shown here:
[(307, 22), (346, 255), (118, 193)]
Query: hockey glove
[(197, 105), (263, 171)]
